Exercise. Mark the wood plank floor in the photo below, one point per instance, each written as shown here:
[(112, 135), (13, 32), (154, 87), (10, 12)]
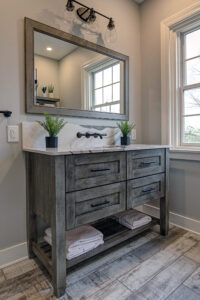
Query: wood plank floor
[(149, 266)]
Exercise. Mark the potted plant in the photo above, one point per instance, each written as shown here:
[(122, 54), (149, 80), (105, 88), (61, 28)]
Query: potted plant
[(50, 90), (53, 127), (44, 89), (126, 129)]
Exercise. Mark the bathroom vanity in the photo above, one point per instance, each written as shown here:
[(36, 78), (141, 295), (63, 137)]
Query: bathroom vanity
[(66, 189)]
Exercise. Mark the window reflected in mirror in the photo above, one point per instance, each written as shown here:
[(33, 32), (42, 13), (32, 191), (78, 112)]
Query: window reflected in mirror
[(73, 77)]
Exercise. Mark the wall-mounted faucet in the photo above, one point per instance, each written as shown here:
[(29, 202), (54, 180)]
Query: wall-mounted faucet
[(6, 113), (88, 135)]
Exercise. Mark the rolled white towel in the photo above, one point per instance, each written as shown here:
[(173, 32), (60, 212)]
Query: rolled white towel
[(133, 219)]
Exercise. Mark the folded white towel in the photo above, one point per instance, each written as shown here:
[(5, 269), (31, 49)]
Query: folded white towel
[(79, 240), (80, 236), (133, 219), (78, 250)]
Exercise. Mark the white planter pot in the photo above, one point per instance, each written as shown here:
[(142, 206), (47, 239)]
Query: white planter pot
[(44, 95), (51, 95)]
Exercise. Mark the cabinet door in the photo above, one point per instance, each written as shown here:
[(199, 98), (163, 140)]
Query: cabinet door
[(89, 170), (145, 189), (145, 162), (83, 207)]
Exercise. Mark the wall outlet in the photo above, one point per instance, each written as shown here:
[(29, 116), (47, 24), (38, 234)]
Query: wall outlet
[(133, 134), (13, 134)]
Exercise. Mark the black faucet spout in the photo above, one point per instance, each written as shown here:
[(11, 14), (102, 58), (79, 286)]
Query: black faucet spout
[(95, 135), (88, 135)]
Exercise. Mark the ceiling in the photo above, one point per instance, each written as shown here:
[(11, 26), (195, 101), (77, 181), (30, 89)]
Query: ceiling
[(59, 48)]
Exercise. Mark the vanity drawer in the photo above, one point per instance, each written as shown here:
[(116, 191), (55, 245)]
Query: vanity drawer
[(90, 170), (145, 162), (145, 189), (87, 206)]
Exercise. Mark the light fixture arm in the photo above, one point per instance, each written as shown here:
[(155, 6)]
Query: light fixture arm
[(95, 11)]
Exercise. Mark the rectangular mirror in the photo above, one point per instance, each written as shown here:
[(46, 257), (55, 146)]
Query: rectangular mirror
[(67, 75)]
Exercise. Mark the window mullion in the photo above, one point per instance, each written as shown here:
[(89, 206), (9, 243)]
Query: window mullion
[(191, 86), (191, 58)]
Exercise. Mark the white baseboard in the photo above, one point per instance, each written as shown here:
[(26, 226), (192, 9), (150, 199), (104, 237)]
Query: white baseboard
[(13, 254), (175, 219)]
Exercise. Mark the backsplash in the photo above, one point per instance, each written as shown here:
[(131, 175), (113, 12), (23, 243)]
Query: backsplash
[(33, 136)]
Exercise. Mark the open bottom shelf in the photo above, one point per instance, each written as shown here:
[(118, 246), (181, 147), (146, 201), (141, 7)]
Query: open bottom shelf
[(114, 234)]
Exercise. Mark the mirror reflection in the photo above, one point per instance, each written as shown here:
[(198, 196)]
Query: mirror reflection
[(73, 77)]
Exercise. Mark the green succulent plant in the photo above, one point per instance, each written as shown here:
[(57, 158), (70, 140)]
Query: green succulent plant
[(52, 125), (44, 89), (125, 127), (50, 88)]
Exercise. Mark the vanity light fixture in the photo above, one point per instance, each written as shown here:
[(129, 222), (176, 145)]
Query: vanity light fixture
[(88, 15), (49, 49)]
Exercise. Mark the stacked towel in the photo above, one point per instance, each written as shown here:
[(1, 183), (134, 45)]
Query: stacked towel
[(79, 240), (133, 219)]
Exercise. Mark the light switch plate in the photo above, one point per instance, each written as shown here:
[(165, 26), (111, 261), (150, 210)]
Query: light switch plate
[(13, 134), (133, 134)]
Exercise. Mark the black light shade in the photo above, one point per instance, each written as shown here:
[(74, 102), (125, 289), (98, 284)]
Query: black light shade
[(69, 5), (111, 24), (92, 16)]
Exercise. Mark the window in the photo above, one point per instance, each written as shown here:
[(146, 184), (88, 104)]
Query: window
[(103, 85), (190, 120), (180, 81), (106, 89)]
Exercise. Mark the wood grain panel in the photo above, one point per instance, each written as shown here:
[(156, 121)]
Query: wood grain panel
[(89, 205), (90, 170), (145, 162), (145, 189)]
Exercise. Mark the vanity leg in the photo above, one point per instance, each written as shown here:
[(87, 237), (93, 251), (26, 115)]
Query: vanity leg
[(31, 227), (58, 231), (164, 202), (58, 261), (164, 216), (31, 233)]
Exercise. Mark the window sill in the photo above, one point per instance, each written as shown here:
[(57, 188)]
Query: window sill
[(185, 153)]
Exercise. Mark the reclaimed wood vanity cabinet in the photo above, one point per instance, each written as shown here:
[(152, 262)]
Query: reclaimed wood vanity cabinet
[(66, 190)]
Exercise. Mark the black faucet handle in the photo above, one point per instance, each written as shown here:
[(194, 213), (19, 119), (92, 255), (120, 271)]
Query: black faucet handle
[(88, 135), (79, 134)]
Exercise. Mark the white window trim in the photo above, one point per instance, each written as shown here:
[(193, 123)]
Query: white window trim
[(86, 82), (171, 28)]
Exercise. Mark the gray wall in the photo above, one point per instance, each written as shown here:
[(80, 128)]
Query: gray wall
[(51, 12), (184, 175), (47, 73), (70, 76)]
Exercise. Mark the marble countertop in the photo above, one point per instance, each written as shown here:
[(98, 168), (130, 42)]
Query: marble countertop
[(111, 148)]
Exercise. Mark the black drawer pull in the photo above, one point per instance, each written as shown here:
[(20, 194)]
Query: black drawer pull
[(147, 163), (148, 190), (99, 204), (100, 170)]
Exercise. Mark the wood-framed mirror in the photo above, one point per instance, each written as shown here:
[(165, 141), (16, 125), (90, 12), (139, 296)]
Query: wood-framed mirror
[(67, 75)]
